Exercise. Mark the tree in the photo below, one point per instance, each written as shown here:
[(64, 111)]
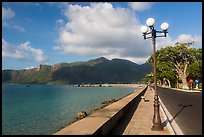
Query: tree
[(173, 61), (195, 69), (149, 78), (166, 74)]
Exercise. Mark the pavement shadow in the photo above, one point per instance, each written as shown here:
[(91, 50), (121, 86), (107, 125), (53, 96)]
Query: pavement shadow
[(170, 121), (123, 122)]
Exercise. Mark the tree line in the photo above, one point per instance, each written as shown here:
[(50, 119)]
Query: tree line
[(177, 64)]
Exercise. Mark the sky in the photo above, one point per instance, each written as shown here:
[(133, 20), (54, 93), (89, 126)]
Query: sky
[(35, 33)]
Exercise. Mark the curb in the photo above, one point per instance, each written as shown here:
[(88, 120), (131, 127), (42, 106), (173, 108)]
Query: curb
[(172, 126), (168, 124), (193, 91)]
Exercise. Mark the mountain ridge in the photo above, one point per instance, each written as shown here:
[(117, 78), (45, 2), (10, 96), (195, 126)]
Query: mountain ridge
[(99, 70)]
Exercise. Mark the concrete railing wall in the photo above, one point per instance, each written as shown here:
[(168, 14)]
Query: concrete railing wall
[(104, 120), (112, 122)]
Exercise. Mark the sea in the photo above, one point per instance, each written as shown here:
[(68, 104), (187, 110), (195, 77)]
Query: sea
[(40, 109)]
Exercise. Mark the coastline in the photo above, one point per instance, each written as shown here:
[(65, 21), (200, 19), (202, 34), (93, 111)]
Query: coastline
[(104, 118), (126, 85), (105, 103), (110, 85), (100, 104), (81, 85)]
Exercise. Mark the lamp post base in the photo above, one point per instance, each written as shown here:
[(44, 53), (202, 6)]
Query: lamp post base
[(157, 128)]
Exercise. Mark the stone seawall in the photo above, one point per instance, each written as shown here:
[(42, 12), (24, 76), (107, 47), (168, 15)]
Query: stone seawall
[(102, 121)]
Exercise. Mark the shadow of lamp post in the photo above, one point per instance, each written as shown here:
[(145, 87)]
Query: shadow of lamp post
[(151, 30)]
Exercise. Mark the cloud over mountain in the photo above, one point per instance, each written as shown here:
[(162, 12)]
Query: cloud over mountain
[(102, 30), (23, 52)]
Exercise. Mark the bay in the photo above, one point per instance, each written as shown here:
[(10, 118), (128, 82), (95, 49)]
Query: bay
[(45, 109)]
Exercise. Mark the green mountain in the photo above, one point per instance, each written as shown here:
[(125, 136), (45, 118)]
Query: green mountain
[(100, 70)]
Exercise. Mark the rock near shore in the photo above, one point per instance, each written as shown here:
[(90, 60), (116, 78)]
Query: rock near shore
[(81, 114), (106, 103)]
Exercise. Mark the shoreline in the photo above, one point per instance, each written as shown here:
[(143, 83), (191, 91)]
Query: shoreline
[(109, 85), (126, 85), (124, 92), (82, 85), (105, 103)]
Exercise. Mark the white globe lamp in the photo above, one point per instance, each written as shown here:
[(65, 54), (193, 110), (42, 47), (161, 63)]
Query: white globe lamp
[(150, 22), (144, 29), (164, 26)]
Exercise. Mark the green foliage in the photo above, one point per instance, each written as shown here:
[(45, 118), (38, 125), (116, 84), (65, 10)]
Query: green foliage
[(149, 78), (200, 85), (179, 54), (195, 71)]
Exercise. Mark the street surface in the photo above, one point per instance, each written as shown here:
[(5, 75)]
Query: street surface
[(185, 108)]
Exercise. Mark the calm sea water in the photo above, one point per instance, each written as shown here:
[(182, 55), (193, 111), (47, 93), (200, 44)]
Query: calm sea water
[(45, 109)]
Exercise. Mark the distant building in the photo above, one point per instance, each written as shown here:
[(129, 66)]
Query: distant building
[(38, 68)]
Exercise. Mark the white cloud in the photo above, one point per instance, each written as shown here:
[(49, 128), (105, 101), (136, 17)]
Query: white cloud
[(31, 67), (7, 13), (183, 38), (60, 22), (188, 38), (23, 52), (139, 6), (21, 29), (101, 30)]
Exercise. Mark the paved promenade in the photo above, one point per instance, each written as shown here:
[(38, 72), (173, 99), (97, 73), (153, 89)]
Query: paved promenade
[(140, 122), (135, 119)]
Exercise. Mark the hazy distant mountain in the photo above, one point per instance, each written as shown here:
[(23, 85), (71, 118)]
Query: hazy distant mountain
[(100, 70)]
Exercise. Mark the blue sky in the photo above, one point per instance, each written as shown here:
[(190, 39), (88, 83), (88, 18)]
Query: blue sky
[(50, 33)]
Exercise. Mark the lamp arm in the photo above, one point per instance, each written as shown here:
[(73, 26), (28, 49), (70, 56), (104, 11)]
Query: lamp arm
[(164, 31), (148, 37), (162, 36)]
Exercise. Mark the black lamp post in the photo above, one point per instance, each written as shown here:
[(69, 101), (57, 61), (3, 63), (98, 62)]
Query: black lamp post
[(151, 30)]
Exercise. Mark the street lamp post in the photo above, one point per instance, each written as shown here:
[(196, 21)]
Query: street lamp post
[(151, 30)]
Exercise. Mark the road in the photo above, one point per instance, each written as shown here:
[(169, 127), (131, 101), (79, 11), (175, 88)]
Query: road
[(185, 108)]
